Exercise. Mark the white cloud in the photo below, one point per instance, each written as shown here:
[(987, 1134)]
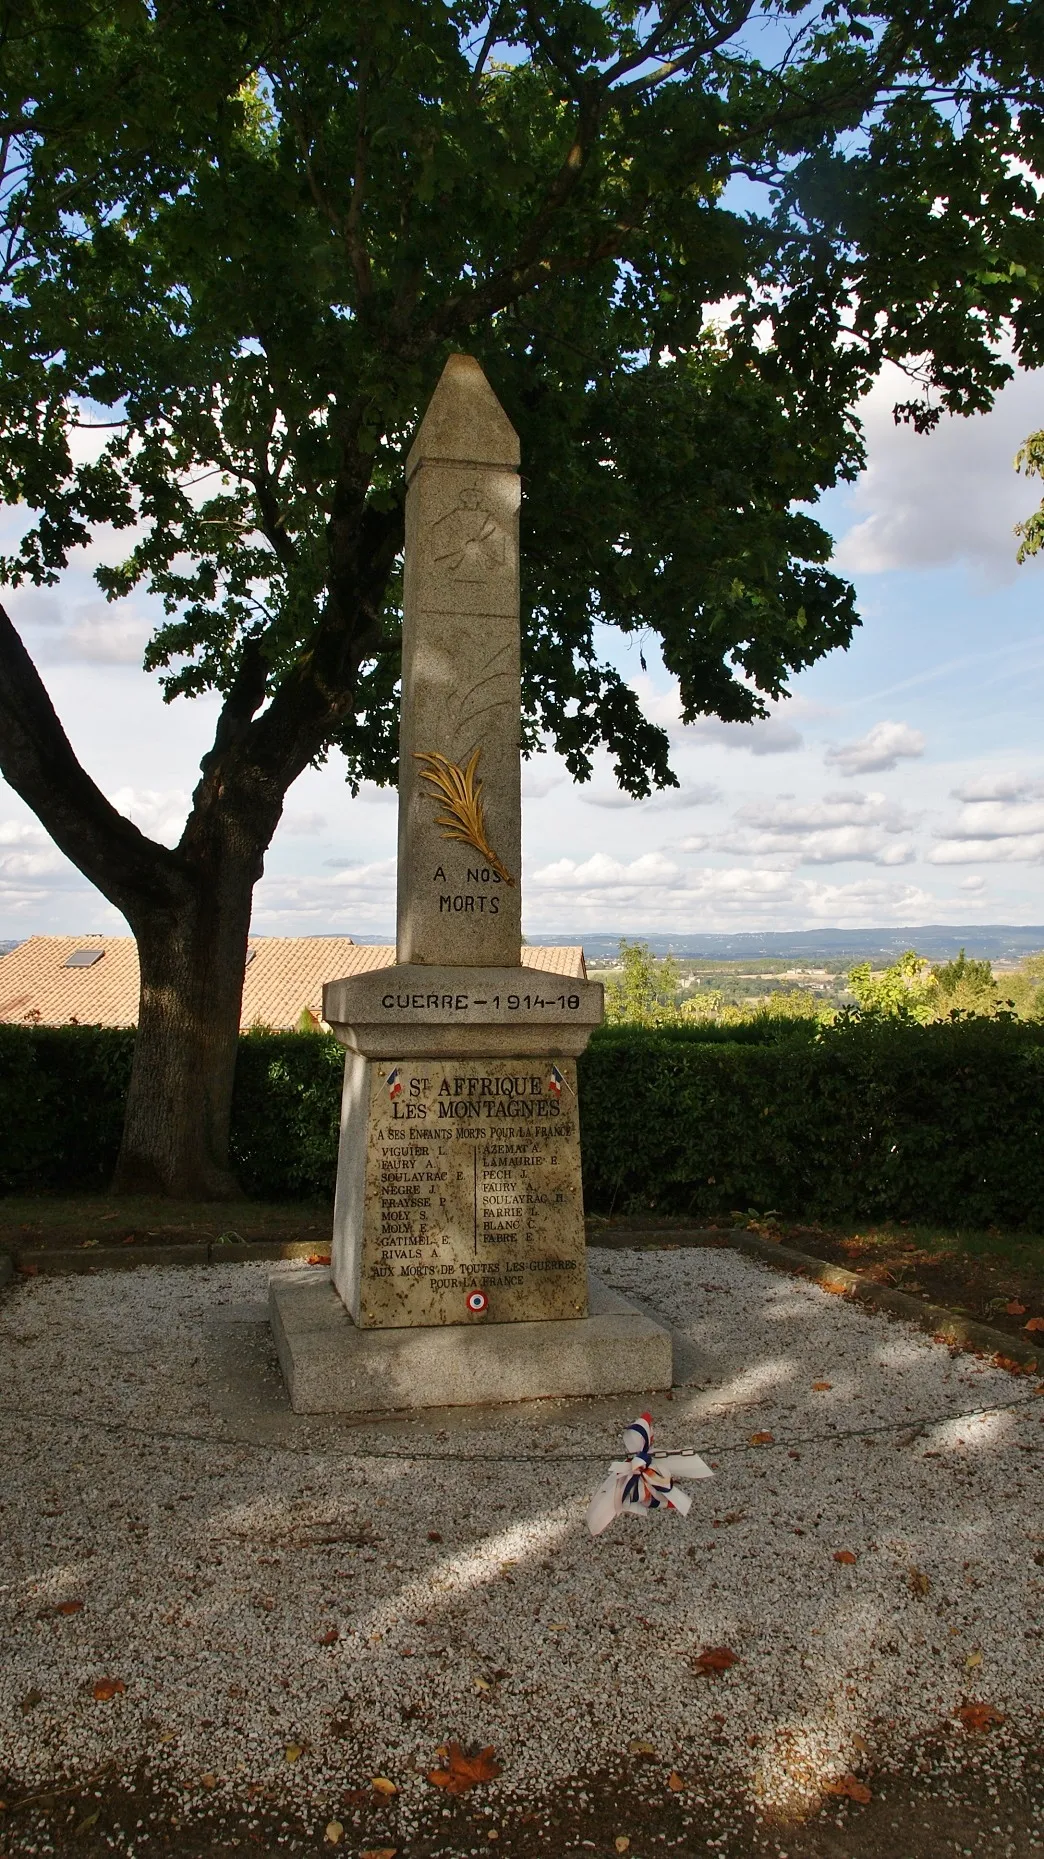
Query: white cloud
[(829, 847), (30, 608), (998, 819), (302, 825), (31, 866), (786, 816), (358, 900), (1007, 851), (770, 736), (974, 885), (1000, 786), (44, 863), (949, 496), (90, 633), (539, 775), (653, 891), (837, 828), (22, 833), (1001, 831), (355, 874), (159, 813), (601, 872), (607, 793), (104, 636), (880, 749)]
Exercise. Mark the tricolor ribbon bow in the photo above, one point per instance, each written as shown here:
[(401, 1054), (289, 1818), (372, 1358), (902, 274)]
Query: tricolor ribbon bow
[(645, 1481)]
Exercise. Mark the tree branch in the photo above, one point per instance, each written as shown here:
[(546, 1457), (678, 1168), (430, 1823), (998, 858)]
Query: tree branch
[(38, 761), (353, 234), (488, 43)]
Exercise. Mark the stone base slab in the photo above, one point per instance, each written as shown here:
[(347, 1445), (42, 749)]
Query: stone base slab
[(331, 1367)]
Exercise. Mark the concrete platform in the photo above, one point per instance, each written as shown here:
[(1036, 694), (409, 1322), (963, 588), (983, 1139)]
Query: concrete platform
[(330, 1367)]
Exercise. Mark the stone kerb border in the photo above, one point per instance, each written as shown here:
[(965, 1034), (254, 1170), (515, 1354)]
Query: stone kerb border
[(50, 1260), (943, 1325)]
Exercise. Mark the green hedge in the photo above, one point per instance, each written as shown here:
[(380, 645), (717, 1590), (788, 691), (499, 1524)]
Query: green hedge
[(936, 1123)]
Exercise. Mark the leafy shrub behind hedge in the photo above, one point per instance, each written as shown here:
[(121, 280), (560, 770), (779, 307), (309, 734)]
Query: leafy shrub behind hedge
[(938, 1123)]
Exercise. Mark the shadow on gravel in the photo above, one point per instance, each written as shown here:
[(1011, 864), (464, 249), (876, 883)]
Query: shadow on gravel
[(918, 1817)]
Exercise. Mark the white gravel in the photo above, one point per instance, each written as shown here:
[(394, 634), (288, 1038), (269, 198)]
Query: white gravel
[(212, 1571)]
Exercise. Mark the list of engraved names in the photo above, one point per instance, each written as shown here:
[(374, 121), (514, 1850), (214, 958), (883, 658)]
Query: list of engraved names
[(473, 1187)]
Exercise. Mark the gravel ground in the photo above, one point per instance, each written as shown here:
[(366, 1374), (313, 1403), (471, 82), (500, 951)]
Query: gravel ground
[(292, 1607)]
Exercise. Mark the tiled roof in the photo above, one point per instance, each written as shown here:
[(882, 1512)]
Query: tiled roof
[(284, 977)]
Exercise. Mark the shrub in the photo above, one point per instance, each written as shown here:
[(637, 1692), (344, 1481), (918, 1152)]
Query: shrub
[(877, 1117), (881, 1118)]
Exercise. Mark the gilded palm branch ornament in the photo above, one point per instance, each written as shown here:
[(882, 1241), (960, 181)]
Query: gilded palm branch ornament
[(460, 793)]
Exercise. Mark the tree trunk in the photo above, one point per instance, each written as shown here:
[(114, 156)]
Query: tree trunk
[(192, 958)]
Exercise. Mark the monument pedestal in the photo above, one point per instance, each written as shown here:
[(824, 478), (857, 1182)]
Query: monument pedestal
[(332, 1367)]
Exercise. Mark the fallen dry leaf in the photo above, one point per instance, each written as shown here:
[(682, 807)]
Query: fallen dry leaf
[(821, 1387), (106, 1688), (919, 1582), (973, 1659), (379, 1852), (1011, 1367), (293, 1752), (851, 1787), (462, 1772), (675, 1782), (1015, 1309), (318, 1258), (1035, 1323), (381, 1785), (847, 1556), (68, 1607), (434, 1536), (622, 1843), (330, 1637), (208, 1780), (979, 1716), (715, 1659), (30, 1701), (87, 1823), (334, 1832), (642, 1749), (762, 1439)]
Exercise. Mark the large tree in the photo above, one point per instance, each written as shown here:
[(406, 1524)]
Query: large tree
[(241, 237)]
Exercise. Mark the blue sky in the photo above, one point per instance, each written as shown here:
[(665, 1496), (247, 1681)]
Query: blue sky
[(902, 783)]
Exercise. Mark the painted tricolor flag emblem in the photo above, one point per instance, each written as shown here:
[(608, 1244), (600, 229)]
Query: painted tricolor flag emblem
[(394, 1083), (555, 1082)]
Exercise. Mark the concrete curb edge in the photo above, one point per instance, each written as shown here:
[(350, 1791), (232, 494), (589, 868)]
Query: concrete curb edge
[(941, 1324), (47, 1260)]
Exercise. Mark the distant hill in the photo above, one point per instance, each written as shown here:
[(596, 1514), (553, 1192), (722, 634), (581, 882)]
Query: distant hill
[(938, 942)]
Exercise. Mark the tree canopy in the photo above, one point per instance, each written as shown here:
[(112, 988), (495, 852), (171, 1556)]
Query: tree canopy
[(248, 234)]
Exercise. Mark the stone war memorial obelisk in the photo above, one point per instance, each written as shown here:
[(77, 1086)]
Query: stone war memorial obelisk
[(458, 1269)]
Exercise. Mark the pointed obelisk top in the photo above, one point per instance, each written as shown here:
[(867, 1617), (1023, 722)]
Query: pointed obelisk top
[(465, 422)]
